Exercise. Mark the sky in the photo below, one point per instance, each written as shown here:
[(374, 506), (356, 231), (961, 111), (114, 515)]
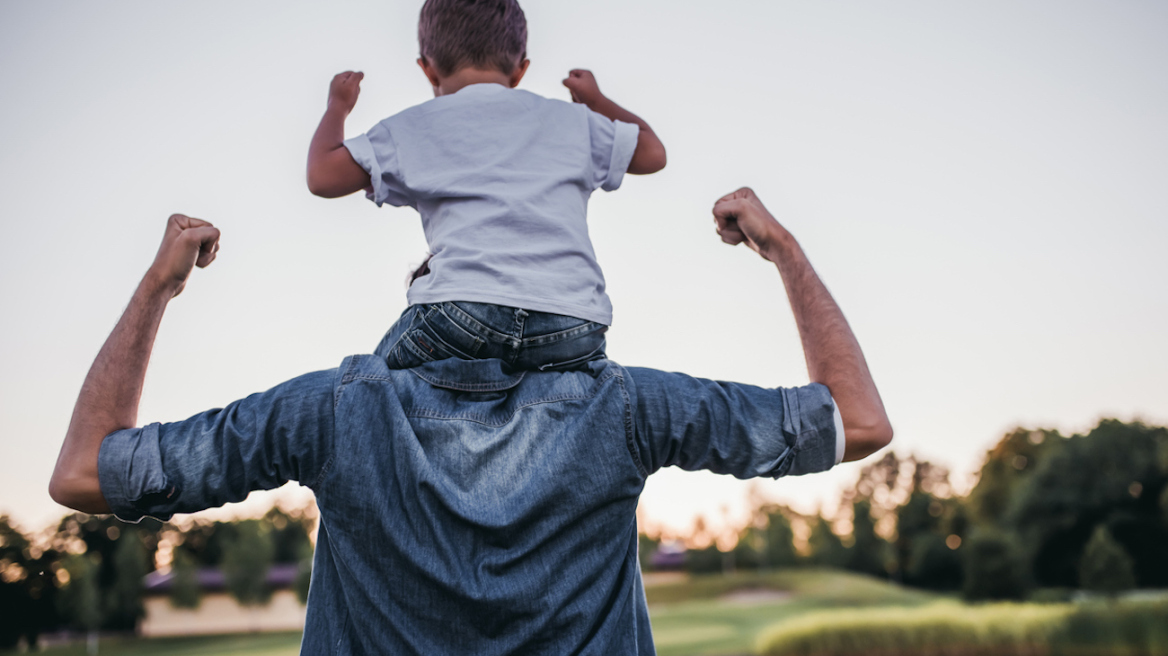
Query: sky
[(982, 186)]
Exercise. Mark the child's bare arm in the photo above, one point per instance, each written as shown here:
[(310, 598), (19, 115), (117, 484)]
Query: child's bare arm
[(649, 157), (332, 173)]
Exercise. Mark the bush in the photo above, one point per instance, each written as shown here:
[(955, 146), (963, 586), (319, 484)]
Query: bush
[(1117, 629), (1105, 566), (994, 568), (943, 628), (1006, 629)]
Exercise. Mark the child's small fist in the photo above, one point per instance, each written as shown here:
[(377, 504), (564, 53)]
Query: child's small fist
[(344, 89), (582, 85)]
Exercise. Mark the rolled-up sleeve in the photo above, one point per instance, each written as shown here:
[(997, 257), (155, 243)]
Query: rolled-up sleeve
[(613, 145), (220, 456), (731, 428), (376, 152)]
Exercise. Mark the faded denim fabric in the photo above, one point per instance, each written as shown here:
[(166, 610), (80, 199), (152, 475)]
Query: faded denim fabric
[(467, 508), (480, 331)]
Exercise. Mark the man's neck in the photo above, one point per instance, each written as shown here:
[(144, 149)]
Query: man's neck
[(465, 77)]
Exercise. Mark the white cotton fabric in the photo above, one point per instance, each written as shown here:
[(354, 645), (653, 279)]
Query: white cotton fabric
[(840, 441), (501, 178)]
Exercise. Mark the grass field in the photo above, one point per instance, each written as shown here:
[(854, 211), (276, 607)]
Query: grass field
[(709, 615)]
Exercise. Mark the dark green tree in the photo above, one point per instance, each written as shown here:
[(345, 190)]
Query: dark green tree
[(304, 574), (1011, 462), (826, 548), (1112, 476), (124, 607), (779, 540), (102, 536), (705, 561), (184, 588), (246, 561), (1105, 566), (933, 564), (27, 587), (994, 567), (646, 547), (748, 552), (80, 598), (207, 541), (869, 552), (289, 534)]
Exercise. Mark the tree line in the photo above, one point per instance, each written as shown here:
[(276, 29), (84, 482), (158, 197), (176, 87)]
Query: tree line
[(87, 573), (1049, 514)]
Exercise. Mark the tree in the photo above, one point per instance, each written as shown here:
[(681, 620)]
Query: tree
[(27, 587), (124, 605), (289, 534), (827, 549), (246, 561), (123, 554), (1112, 476), (184, 588), (80, 600), (933, 564), (1007, 466), (869, 552), (778, 540), (304, 576), (994, 567), (1105, 566), (646, 547)]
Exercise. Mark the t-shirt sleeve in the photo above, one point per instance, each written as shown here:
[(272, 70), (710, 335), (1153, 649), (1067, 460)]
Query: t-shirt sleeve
[(731, 428), (613, 144), (221, 455), (376, 152)]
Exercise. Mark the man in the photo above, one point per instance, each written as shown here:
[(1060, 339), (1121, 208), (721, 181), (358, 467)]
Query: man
[(466, 508)]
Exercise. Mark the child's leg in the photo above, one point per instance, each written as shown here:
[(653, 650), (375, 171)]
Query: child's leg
[(522, 338), (527, 339), (423, 334)]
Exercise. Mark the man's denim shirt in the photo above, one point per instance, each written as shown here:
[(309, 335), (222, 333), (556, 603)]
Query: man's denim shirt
[(464, 508)]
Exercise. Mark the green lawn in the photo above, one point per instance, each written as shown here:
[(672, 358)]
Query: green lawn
[(693, 617)]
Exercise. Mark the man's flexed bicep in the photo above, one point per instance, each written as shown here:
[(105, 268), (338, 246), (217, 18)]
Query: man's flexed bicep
[(730, 428), (221, 455)]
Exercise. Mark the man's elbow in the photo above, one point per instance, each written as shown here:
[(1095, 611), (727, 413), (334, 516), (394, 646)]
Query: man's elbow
[(61, 491), (863, 441), (80, 493)]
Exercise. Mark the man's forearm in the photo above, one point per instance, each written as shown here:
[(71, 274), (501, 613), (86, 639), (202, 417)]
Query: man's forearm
[(109, 398), (833, 355)]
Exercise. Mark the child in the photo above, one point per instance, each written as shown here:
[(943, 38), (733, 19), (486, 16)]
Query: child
[(501, 178)]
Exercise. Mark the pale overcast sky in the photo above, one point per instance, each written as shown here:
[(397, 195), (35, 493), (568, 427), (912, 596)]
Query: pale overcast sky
[(983, 186)]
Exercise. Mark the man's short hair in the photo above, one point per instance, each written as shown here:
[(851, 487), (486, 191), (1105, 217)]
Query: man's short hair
[(455, 34)]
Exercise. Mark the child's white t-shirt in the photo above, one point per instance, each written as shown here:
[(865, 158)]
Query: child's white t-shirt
[(501, 178)]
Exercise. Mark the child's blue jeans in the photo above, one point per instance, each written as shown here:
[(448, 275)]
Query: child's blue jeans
[(523, 339)]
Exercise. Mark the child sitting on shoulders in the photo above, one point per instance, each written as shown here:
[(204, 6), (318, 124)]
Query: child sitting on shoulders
[(501, 178)]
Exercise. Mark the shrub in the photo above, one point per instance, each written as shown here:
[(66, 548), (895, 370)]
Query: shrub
[(994, 568), (1123, 628), (942, 628), (1105, 566)]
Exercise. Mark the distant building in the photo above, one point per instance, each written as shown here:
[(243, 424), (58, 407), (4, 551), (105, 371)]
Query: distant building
[(218, 611)]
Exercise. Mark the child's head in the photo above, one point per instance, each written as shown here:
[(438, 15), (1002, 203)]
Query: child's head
[(481, 34)]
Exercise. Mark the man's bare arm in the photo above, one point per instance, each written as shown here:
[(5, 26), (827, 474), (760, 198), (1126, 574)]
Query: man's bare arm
[(109, 397), (332, 173), (833, 355), (649, 157)]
